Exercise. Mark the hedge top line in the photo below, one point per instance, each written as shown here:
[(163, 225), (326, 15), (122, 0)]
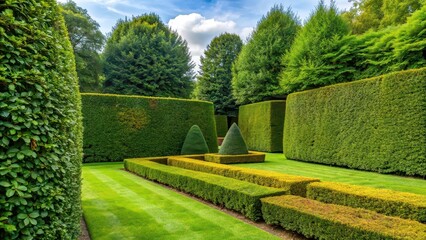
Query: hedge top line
[(361, 81), (143, 97), (263, 102)]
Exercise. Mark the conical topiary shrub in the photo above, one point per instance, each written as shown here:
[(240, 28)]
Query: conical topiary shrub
[(194, 142), (233, 143)]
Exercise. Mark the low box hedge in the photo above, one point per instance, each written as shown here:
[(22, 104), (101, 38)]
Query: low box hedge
[(375, 124), (296, 184), (392, 203), (251, 157), (123, 126), (231, 193), (319, 220), (262, 125)]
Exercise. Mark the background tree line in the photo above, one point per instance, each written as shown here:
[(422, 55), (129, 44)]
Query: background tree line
[(143, 56)]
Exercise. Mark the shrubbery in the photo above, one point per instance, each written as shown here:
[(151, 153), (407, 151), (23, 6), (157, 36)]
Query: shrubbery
[(237, 195), (118, 126), (233, 143), (318, 220), (296, 184), (400, 204), (375, 124), (40, 124), (221, 125), (262, 125)]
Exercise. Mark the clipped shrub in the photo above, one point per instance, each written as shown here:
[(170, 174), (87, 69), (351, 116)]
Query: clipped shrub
[(251, 157), (318, 220), (262, 125), (221, 125), (40, 124), (237, 195), (194, 142), (233, 143), (374, 124), (118, 126), (296, 184), (392, 203)]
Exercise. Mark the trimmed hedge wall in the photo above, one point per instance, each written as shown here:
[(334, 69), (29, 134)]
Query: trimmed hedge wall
[(262, 125), (296, 184), (221, 125), (328, 221), (233, 194), (392, 203), (376, 124), (119, 126), (40, 124)]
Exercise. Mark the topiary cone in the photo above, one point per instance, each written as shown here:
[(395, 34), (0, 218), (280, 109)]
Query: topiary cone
[(194, 142), (233, 143)]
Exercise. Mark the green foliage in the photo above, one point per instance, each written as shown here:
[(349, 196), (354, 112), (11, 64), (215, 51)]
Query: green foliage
[(40, 124), (144, 57), (194, 142), (367, 15), (221, 125), (278, 163), (257, 68), (87, 40), (378, 52), (262, 125), (375, 124), (129, 204), (391, 203), (318, 220), (118, 126), (251, 157), (233, 194), (233, 143), (305, 63), (214, 81), (295, 184)]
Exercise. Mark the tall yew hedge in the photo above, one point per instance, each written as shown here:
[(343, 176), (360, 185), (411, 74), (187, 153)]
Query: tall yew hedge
[(376, 124), (40, 124)]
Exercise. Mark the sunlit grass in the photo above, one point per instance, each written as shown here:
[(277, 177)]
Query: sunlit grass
[(120, 205), (277, 162)]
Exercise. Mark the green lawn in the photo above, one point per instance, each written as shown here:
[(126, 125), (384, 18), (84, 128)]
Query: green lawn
[(120, 205), (277, 162)]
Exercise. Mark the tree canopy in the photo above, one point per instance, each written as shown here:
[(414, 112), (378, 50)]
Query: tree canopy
[(257, 68), (144, 57), (376, 14), (215, 79), (306, 65), (87, 41)]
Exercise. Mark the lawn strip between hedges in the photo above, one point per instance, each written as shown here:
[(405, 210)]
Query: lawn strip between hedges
[(277, 162), (120, 205), (234, 194)]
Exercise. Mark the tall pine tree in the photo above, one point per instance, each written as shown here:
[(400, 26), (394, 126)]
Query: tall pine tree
[(306, 65), (256, 70), (214, 81)]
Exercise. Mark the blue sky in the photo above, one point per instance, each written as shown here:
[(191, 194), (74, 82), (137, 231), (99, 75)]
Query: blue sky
[(198, 22)]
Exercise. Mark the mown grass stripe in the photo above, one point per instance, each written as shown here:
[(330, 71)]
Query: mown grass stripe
[(278, 163), (201, 221)]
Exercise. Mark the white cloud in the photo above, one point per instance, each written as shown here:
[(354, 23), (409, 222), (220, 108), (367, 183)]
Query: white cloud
[(198, 31)]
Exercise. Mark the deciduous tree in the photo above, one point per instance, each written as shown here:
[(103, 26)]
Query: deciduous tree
[(144, 57), (87, 41)]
